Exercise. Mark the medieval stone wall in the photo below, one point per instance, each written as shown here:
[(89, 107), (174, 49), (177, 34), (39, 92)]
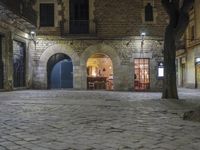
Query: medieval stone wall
[(187, 65), (119, 24), (125, 18), (119, 18), (11, 33), (121, 52)]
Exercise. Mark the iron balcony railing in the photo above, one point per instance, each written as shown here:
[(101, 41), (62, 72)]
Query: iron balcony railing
[(22, 8), (79, 26), (74, 27)]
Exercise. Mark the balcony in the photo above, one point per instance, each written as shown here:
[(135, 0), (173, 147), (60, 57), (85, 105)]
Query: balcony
[(21, 8), (78, 28)]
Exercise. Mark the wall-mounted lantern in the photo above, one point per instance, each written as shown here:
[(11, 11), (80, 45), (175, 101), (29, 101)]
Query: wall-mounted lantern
[(160, 70), (197, 60)]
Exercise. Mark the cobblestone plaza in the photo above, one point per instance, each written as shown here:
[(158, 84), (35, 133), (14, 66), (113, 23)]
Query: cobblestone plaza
[(87, 75), (87, 120)]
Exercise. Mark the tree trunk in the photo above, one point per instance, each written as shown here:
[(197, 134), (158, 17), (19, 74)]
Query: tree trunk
[(169, 87), (178, 22)]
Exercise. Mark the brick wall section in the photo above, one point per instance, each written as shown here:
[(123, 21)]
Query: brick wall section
[(119, 24), (124, 17), (119, 18), (126, 50)]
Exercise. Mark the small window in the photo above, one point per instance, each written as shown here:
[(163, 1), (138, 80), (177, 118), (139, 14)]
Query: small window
[(79, 16), (46, 15), (148, 12)]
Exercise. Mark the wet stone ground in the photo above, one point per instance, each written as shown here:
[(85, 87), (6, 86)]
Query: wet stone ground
[(89, 120)]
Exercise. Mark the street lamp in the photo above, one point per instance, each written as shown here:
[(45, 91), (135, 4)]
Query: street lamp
[(143, 34)]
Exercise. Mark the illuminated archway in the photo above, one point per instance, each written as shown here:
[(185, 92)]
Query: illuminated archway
[(99, 72), (101, 49)]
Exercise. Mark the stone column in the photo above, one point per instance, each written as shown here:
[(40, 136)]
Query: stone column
[(9, 62), (121, 78)]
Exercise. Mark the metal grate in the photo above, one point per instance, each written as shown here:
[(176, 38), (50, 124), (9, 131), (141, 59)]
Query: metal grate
[(141, 76)]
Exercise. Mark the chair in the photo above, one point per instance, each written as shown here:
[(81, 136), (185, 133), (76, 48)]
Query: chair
[(91, 85)]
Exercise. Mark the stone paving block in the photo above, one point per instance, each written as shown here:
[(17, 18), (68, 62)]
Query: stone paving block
[(60, 120)]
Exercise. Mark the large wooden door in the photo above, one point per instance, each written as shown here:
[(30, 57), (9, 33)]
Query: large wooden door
[(60, 72), (62, 75)]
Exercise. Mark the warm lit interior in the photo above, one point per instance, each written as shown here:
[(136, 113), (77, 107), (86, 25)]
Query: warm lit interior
[(141, 76), (100, 72)]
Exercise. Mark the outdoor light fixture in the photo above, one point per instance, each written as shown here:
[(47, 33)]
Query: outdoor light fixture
[(197, 60), (143, 34), (160, 70), (32, 33), (142, 42)]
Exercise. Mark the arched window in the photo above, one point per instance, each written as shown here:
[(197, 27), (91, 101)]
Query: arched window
[(148, 12)]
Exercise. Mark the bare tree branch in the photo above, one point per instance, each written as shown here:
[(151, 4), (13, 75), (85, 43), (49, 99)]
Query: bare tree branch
[(182, 25), (183, 18), (176, 4), (166, 5), (187, 5)]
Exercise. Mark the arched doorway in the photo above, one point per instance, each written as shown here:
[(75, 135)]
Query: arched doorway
[(99, 72), (60, 72)]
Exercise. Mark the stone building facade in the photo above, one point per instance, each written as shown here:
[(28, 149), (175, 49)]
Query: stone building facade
[(188, 57), (114, 29), (16, 44), (128, 32)]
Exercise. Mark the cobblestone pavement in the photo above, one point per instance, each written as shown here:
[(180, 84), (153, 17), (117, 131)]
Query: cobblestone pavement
[(87, 120)]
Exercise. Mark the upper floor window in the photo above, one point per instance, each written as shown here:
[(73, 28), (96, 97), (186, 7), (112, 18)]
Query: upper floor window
[(46, 14), (149, 12), (79, 16)]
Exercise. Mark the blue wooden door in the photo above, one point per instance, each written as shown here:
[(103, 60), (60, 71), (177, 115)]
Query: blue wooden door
[(62, 75)]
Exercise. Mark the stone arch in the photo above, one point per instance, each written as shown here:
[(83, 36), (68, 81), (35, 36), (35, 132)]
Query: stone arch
[(103, 49), (41, 73), (57, 60)]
